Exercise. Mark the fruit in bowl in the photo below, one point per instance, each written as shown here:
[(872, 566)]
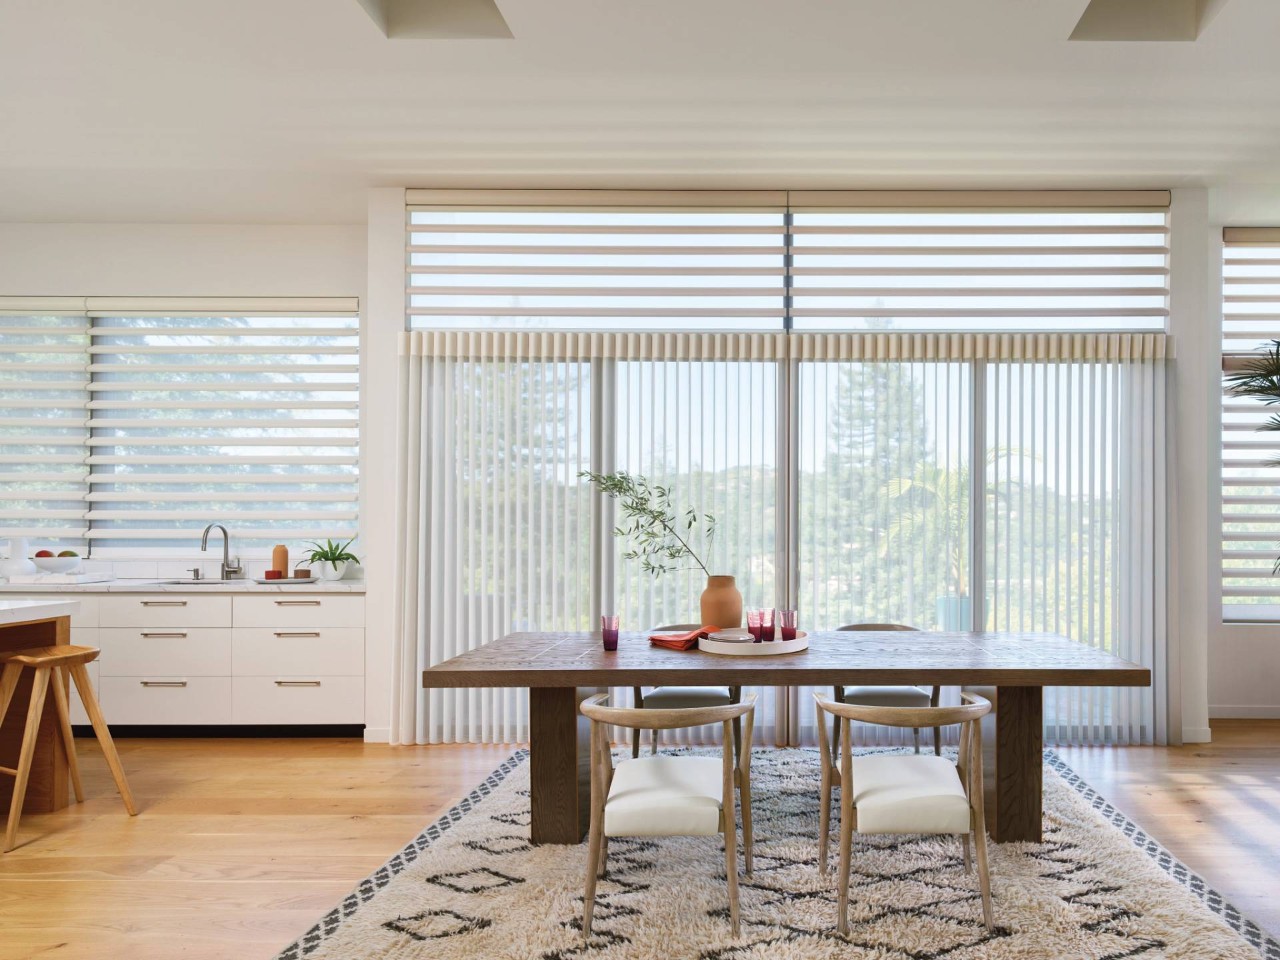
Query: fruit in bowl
[(64, 562)]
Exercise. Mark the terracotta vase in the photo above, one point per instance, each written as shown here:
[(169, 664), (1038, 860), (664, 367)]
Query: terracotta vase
[(721, 603)]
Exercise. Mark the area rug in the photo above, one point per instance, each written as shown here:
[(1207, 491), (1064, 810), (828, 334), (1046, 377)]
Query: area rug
[(472, 886)]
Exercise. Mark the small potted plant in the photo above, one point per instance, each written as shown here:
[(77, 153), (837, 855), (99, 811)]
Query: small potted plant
[(330, 559)]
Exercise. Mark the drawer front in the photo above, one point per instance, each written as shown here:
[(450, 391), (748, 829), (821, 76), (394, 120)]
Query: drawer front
[(155, 699), (257, 652), (297, 698), (169, 651), (164, 610), (286, 611)]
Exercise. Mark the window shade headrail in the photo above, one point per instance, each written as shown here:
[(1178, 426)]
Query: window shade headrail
[(850, 346), (177, 306)]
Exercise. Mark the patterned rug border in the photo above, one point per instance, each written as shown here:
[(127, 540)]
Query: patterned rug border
[(1267, 946)]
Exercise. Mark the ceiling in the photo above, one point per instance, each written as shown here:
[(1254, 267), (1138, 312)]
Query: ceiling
[(286, 110)]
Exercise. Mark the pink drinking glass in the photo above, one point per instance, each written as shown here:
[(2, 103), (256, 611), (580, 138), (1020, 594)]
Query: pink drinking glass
[(754, 624), (766, 625), (609, 631), (787, 624)]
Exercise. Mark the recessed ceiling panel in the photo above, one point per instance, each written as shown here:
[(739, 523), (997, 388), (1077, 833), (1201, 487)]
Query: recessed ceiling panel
[(438, 19), (1151, 20)]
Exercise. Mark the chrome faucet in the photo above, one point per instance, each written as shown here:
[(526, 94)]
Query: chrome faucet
[(230, 571)]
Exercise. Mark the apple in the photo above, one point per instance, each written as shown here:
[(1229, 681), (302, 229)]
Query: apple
[(68, 553), (44, 553)]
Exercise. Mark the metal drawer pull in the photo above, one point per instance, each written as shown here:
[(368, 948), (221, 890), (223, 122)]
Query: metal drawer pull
[(163, 603), (297, 683), (168, 635), (297, 603), (301, 633), (164, 683)]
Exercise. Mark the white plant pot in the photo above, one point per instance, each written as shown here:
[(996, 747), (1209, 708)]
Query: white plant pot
[(331, 571)]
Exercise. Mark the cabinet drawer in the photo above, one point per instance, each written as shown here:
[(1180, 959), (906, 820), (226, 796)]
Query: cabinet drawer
[(164, 610), (170, 651), (287, 611), (257, 651), (155, 699), (297, 698)]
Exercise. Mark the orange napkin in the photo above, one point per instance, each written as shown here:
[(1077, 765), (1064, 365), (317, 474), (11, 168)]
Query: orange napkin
[(682, 641)]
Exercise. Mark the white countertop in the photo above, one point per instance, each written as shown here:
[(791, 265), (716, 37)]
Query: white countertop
[(24, 611), (159, 586)]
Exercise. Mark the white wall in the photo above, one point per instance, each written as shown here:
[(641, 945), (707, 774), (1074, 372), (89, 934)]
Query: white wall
[(1244, 659)]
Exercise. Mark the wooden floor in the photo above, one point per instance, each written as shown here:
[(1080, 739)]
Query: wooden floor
[(242, 844)]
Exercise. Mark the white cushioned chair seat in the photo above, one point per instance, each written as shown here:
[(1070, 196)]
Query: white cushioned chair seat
[(665, 797), (887, 696), (677, 698), (909, 795)]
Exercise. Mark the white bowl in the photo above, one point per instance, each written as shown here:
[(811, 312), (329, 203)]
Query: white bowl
[(56, 564)]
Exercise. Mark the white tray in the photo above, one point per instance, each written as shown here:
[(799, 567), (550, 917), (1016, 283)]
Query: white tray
[(767, 648)]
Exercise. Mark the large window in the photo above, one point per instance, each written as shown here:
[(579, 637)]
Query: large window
[(947, 417), (131, 426), (1250, 471)]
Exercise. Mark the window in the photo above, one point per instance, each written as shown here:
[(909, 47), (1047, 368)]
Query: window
[(948, 415), (1250, 474), (150, 421)]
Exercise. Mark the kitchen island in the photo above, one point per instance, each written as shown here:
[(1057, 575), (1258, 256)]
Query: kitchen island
[(34, 623)]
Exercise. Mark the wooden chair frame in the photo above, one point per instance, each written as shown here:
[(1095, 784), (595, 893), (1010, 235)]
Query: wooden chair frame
[(50, 668), (637, 697), (968, 715), (736, 769), (935, 692)]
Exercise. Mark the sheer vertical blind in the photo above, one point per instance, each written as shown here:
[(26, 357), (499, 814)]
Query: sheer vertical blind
[(129, 423), (849, 468), (1250, 474)]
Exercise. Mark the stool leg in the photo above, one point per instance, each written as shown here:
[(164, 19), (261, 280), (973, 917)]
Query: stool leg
[(85, 687), (58, 681), (39, 684), (8, 683)]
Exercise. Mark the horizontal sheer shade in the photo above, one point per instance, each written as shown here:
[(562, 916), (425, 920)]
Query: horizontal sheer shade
[(994, 270), (1250, 453), (44, 428), (585, 268), (251, 420)]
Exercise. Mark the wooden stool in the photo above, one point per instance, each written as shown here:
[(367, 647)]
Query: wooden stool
[(49, 664)]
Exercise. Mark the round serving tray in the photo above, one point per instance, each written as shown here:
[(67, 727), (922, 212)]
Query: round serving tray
[(768, 648)]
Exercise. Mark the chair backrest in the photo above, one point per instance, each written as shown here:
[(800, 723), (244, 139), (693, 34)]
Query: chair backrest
[(672, 719), (878, 627), (972, 708)]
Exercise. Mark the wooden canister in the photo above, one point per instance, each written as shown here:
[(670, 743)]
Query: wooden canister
[(280, 559)]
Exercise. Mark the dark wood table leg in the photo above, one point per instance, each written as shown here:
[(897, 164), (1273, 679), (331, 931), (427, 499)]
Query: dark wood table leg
[(1012, 761), (559, 769), (47, 790)]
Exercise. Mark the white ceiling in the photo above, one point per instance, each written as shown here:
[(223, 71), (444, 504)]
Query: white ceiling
[(285, 110)]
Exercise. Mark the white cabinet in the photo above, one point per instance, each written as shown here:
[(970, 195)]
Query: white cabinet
[(192, 659)]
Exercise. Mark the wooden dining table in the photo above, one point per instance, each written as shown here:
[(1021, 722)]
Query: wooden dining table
[(1011, 669)]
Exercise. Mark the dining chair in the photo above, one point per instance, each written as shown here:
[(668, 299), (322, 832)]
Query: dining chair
[(902, 696), (665, 796), (890, 793), (680, 698)]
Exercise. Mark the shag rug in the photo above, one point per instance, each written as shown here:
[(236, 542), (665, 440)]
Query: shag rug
[(472, 886)]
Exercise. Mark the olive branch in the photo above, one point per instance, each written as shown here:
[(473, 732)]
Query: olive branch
[(651, 523)]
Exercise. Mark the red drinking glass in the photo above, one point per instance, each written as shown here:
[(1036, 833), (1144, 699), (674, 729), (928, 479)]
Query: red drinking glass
[(787, 624), (766, 625), (609, 632), (754, 625)]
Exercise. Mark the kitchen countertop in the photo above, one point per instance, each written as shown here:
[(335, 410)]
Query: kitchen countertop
[(24, 611), (160, 586)]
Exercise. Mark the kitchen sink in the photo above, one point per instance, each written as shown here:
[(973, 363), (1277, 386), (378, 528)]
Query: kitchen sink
[(194, 583)]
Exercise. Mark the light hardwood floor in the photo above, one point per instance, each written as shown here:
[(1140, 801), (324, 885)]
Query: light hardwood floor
[(243, 844)]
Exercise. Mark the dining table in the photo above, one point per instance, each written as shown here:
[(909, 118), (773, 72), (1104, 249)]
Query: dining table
[(1011, 669)]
